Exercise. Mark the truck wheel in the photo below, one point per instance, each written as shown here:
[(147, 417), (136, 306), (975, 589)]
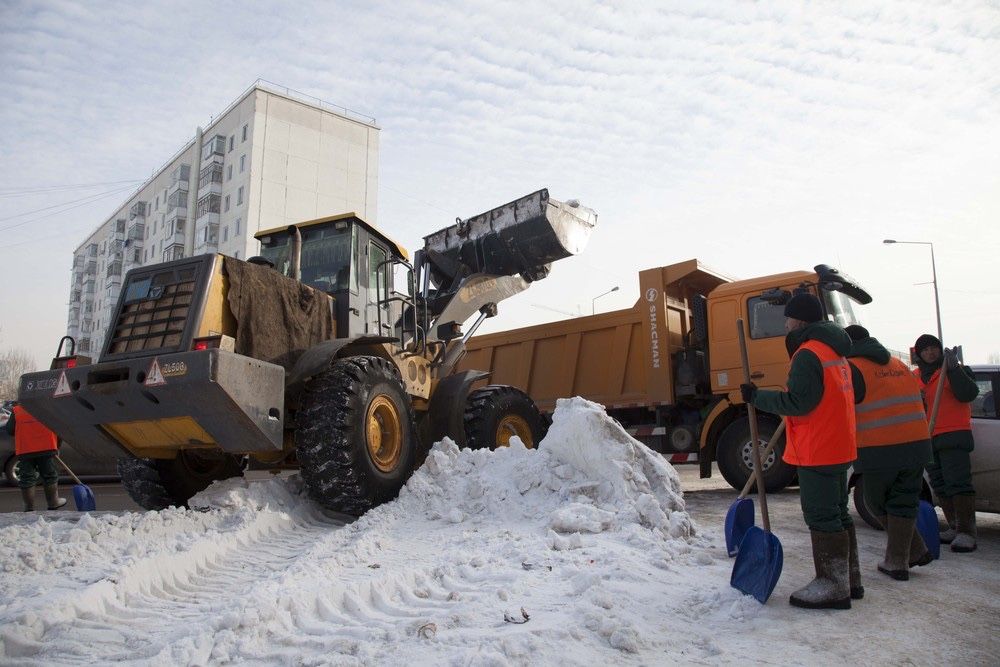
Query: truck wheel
[(735, 456), (496, 413), (862, 507), (156, 484), (10, 470), (356, 441)]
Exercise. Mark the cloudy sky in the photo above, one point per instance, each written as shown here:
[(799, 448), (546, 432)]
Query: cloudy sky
[(758, 137)]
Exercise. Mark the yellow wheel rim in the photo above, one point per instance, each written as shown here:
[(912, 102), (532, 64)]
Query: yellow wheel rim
[(384, 433), (510, 426)]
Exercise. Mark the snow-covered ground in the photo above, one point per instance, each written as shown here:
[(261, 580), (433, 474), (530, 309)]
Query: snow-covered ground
[(581, 552)]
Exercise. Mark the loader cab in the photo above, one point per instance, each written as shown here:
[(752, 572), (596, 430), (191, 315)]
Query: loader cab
[(364, 270)]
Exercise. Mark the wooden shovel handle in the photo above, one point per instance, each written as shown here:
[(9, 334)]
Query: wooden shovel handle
[(75, 478), (767, 452), (758, 473)]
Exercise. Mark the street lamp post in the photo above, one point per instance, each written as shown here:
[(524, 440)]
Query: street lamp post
[(593, 302), (937, 309)]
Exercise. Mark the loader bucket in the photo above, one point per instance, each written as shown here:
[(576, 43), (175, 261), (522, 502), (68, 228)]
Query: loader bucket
[(521, 237)]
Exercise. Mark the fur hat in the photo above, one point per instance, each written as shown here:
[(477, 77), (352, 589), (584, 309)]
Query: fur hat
[(926, 341), (804, 307)]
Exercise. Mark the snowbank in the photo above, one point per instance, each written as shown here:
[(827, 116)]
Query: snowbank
[(506, 557)]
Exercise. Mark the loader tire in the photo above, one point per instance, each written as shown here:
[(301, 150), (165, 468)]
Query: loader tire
[(497, 412), (156, 484), (356, 441), (734, 455)]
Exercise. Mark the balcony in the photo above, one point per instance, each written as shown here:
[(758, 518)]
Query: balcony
[(138, 210), (212, 148), (177, 201), (133, 257), (172, 252), (92, 250), (88, 286), (83, 344), (116, 246), (118, 229), (74, 310), (207, 237), (210, 180), (136, 232), (79, 261)]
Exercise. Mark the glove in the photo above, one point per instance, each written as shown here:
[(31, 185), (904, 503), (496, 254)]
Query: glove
[(748, 391), (950, 359)]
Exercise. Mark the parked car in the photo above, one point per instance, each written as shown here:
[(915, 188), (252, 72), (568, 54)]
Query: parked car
[(83, 466), (985, 459)]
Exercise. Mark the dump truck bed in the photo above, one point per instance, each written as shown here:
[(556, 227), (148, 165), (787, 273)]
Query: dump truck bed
[(619, 359)]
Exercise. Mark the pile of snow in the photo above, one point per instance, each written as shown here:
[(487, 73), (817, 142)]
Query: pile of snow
[(560, 554)]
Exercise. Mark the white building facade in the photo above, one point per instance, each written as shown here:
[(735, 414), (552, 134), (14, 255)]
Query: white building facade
[(273, 158)]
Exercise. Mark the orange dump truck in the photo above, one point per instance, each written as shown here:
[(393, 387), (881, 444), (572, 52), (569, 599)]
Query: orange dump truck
[(668, 368)]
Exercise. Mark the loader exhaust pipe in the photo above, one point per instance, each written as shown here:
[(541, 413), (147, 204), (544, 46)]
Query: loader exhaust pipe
[(295, 266)]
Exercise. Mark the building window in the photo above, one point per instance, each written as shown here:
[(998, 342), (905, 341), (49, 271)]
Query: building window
[(236, 232), (229, 173), (227, 204), (244, 133), (239, 196), (157, 202), (225, 233), (232, 143), (243, 163), (154, 231)]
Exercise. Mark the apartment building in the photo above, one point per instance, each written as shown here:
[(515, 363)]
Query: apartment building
[(273, 157)]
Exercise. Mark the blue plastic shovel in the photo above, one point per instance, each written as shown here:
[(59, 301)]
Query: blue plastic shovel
[(758, 563), (740, 516), (927, 526), (83, 496)]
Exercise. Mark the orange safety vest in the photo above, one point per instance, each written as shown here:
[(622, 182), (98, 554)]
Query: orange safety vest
[(30, 436), (893, 411), (825, 436), (953, 415)]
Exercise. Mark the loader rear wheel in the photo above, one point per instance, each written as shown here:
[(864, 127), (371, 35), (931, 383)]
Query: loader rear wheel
[(356, 441), (496, 413), (735, 456), (156, 484)]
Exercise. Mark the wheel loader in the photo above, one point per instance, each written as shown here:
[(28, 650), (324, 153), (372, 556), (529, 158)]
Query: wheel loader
[(331, 351)]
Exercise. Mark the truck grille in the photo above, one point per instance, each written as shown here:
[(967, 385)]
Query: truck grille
[(155, 316)]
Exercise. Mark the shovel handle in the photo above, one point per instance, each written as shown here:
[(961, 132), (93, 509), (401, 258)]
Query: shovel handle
[(942, 377), (757, 472), (767, 452), (75, 478)]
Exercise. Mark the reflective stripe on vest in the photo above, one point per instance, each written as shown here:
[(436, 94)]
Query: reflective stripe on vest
[(30, 436), (892, 412), (825, 436), (953, 415)]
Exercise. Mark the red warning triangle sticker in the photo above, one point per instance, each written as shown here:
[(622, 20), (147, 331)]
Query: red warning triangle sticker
[(62, 387), (154, 377)]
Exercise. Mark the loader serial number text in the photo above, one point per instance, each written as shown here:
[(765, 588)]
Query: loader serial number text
[(173, 369)]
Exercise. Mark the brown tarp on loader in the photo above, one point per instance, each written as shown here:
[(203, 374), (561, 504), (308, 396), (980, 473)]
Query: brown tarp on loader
[(278, 318)]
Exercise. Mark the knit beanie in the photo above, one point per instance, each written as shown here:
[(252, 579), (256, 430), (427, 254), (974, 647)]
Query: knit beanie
[(926, 341), (857, 332), (804, 307)]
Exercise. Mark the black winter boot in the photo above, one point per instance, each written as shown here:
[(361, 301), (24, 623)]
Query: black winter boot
[(831, 588), (854, 568), (28, 497), (52, 497), (899, 534), (948, 507), (965, 524)]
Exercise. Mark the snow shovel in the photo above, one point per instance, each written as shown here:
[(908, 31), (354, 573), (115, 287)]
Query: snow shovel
[(740, 515), (758, 563), (83, 496)]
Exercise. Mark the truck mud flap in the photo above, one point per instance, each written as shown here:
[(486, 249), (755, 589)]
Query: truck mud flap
[(152, 407)]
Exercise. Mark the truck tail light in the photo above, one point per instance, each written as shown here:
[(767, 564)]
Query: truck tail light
[(69, 362), (207, 343)]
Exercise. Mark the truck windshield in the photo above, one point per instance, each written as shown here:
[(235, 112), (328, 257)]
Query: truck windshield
[(839, 305), (326, 257)]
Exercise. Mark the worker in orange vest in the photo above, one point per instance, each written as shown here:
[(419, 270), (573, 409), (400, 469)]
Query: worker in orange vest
[(819, 406), (36, 448), (893, 446), (951, 470)]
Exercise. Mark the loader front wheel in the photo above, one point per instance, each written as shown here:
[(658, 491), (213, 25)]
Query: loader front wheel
[(356, 441), (156, 484), (496, 413)]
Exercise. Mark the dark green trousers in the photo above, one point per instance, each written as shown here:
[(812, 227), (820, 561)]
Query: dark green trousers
[(31, 467), (893, 491), (823, 494), (951, 473)]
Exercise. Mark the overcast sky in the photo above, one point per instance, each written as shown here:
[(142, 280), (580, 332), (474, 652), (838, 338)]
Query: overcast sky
[(758, 138)]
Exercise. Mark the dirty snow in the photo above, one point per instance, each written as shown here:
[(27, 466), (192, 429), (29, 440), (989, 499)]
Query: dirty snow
[(579, 552)]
